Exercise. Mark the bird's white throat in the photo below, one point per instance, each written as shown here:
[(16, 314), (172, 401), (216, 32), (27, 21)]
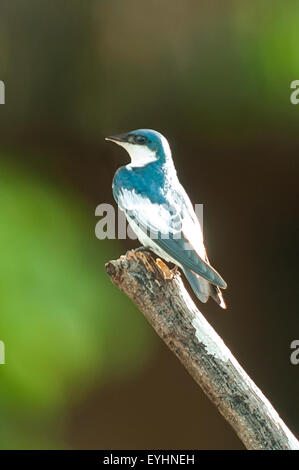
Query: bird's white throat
[(140, 154)]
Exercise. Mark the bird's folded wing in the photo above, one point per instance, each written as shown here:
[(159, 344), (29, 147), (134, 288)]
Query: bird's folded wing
[(164, 224)]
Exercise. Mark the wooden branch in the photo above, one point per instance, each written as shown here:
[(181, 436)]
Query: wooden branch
[(164, 301)]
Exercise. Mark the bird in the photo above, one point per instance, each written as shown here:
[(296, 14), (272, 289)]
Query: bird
[(160, 212)]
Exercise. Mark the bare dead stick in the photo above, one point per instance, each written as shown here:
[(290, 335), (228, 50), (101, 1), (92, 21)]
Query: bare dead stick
[(170, 310)]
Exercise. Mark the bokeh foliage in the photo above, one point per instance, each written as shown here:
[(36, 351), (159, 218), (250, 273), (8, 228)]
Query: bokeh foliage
[(64, 325)]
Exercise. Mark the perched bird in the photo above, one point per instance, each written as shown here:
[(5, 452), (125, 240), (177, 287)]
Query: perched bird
[(160, 212)]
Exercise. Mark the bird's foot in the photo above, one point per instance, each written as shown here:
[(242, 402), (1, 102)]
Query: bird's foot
[(140, 248), (175, 270)]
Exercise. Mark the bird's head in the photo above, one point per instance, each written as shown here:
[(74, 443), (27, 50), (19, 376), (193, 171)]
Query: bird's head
[(144, 146)]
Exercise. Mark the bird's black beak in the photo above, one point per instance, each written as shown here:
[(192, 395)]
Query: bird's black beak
[(118, 138)]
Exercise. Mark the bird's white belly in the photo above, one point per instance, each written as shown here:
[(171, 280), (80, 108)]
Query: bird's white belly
[(148, 242)]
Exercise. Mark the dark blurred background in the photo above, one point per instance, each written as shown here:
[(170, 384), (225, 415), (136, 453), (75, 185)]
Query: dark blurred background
[(83, 368)]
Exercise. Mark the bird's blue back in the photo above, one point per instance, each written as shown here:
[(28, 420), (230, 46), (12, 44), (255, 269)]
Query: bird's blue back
[(152, 181)]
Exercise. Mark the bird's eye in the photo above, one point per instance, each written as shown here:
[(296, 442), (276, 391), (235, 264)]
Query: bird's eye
[(140, 139)]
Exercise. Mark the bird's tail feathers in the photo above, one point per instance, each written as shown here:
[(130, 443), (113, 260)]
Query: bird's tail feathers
[(199, 285), (217, 295), (203, 289)]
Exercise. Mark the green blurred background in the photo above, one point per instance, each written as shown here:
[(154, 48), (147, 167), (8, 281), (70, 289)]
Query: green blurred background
[(83, 368)]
